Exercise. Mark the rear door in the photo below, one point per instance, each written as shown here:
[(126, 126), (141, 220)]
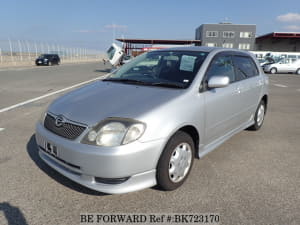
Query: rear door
[(295, 66), (249, 84)]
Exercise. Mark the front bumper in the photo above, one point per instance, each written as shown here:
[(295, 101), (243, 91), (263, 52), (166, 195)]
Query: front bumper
[(41, 62), (266, 69), (135, 163)]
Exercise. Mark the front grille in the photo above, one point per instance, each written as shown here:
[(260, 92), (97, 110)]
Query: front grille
[(68, 129)]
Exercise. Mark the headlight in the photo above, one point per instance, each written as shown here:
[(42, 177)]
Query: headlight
[(42, 117), (114, 132)]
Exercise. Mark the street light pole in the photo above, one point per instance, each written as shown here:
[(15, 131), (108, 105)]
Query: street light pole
[(20, 50), (28, 50), (10, 47)]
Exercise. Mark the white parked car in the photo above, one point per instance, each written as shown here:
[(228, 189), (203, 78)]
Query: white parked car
[(115, 54), (285, 65)]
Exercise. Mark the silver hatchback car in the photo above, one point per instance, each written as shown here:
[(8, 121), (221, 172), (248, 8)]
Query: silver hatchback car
[(146, 122)]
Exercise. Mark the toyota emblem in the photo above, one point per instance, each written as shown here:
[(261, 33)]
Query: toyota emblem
[(59, 121)]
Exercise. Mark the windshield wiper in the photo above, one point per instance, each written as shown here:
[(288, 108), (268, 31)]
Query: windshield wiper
[(124, 80), (166, 84), (131, 81)]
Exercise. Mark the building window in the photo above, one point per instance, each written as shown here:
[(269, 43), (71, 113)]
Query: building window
[(227, 45), (211, 44), (211, 33), (228, 34), (244, 46), (245, 34)]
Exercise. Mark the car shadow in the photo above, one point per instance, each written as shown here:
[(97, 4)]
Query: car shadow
[(108, 70), (32, 151), (13, 214)]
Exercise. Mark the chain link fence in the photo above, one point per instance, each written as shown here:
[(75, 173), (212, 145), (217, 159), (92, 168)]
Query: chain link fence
[(23, 52)]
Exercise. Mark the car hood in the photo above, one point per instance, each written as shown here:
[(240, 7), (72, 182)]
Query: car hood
[(99, 100), (266, 64)]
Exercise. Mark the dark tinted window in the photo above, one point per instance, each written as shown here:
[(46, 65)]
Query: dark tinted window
[(110, 52), (245, 67), (221, 66)]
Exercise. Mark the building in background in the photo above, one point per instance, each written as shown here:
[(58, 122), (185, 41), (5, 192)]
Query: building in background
[(279, 42), (227, 35)]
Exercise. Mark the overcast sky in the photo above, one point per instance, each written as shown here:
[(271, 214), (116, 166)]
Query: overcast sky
[(94, 23)]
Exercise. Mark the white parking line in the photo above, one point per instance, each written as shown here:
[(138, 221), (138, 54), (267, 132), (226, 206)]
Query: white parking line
[(49, 94), (280, 85), (2, 129)]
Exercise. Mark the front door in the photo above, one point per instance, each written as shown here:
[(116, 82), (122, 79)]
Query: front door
[(221, 104)]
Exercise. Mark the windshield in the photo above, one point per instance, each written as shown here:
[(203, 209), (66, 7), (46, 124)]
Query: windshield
[(44, 56), (162, 67)]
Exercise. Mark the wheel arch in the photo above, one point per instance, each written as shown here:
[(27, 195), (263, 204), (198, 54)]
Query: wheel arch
[(193, 132)]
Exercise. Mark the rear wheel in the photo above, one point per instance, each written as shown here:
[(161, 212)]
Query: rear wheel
[(176, 161), (298, 71), (259, 116), (273, 70)]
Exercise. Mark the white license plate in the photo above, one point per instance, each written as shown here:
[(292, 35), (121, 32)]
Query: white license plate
[(51, 149)]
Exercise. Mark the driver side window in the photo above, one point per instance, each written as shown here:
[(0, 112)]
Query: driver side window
[(221, 66)]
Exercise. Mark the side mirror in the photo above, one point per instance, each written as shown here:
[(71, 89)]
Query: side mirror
[(218, 82)]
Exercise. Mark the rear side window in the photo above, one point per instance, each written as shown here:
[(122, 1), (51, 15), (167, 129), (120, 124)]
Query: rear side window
[(221, 66), (245, 67)]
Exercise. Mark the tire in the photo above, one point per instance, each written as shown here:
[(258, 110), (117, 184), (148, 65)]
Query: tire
[(175, 162), (298, 71), (273, 70), (259, 116), (49, 63)]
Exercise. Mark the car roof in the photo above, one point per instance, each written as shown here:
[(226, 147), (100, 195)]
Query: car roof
[(50, 54), (190, 48), (206, 49)]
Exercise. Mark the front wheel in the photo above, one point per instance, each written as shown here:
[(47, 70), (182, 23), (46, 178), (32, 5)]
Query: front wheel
[(273, 70), (298, 71), (176, 161), (259, 116)]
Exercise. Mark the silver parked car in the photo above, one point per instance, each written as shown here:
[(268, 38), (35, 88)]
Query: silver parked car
[(285, 65), (144, 124)]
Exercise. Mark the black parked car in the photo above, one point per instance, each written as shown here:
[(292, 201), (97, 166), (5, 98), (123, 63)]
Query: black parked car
[(47, 59)]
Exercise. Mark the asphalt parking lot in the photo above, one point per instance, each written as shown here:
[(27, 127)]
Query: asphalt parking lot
[(254, 178)]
